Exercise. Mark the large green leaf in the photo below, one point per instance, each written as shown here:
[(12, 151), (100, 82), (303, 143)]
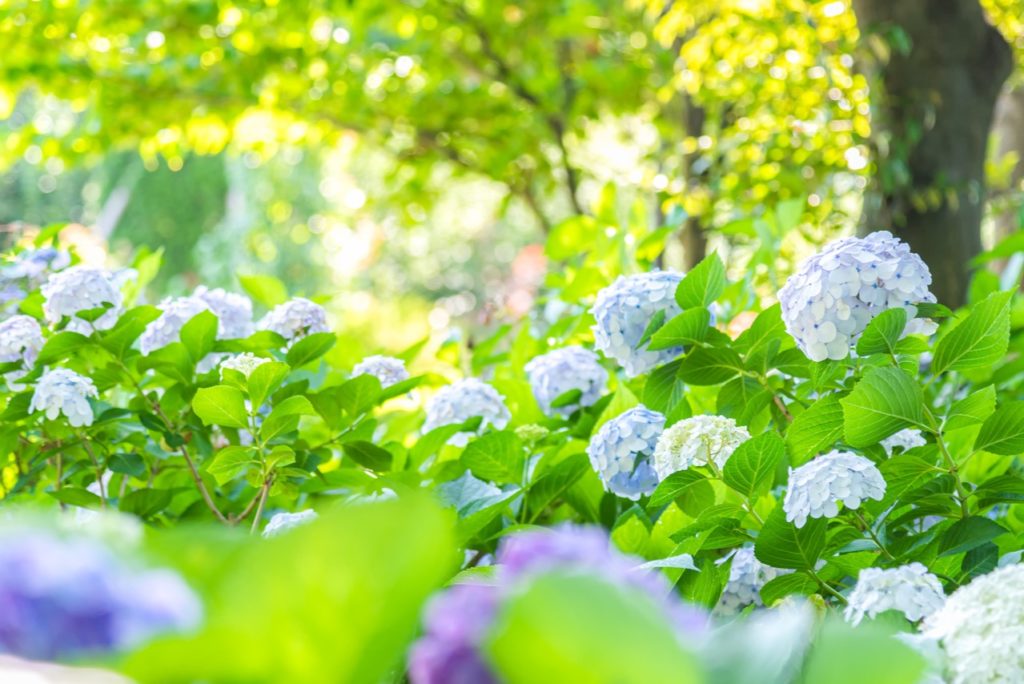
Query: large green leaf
[(781, 544), (310, 348), (867, 653), (1003, 432), (883, 333), (968, 534), (884, 401), (979, 340), (751, 468), (815, 430), (689, 327), (221, 405), (264, 379), (368, 455), (496, 456), (972, 409), (199, 335), (703, 284), (710, 366)]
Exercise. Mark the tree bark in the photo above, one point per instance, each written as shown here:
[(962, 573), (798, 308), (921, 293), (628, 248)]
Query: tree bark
[(1009, 132), (932, 112), (692, 236)]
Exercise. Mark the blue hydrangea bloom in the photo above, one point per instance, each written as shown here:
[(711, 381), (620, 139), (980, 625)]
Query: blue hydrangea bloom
[(63, 598), (621, 452), (622, 312), (562, 370)]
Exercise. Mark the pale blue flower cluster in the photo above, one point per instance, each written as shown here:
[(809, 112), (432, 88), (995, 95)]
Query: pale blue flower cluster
[(64, 391), (233, 311), (829, 301), (621, 452), (295, 319), (462, 400), (177, 311), (387, 369), (563, 370), (624, 310), (816, 488), (82, 288)]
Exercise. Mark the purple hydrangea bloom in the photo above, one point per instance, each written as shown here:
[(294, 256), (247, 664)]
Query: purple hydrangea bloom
[(68, 597), (458, 621)]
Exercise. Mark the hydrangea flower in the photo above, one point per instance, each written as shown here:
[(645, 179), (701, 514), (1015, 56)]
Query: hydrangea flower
[(910, 589), (81, 288), (33, 264), (905, 439), (981, 628), (177, 311), (387, 369), (233, 311), (829, 301), (697, 441), (295, 319), (67, 597), (624, 309), (282, 522), (64, 391), (21, 338), (621, 451), (457, 621), (816, 488), (462, 400), (245, 363), (746, 577), (562, 370)]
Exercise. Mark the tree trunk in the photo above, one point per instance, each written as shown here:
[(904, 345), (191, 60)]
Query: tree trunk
[(691, 235), (932, 112), (1009, 132)]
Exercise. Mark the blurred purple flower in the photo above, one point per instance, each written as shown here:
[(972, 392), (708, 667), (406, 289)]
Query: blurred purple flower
[(455, 623), (67, 597)]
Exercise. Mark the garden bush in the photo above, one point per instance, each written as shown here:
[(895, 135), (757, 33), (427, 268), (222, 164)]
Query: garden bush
[(668, 481)]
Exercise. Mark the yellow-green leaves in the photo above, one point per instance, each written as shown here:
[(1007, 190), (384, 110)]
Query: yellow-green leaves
[(884, 401), (221, 405), (979, 340)]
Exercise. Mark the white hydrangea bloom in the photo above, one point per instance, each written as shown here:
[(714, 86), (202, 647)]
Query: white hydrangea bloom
[(81, 288), (697, 441), (829, 301), (35, 263), (177, 311), (283, 522), (387, 369), (910, 589), (562, 370), (233, 311), (295, 319), (623, 311), (620, 452), (462, 400), (244, 363), (746, 577), (904, 439), (21, 338), (64, 391), (816, 488), (981, 629)]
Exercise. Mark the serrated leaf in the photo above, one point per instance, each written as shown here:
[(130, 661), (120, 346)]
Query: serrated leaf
[(368, 455), (781, 544), (556, 481), (145, 503), (972, 409), (496, 456), (689, 327), (979, 340), (285, 416), (60, 346), (1003, 432), (657, 320), (199, 334), (675, 486), (815, 430), (77, 496), (129, 327), (751, 468), (884, 401), (883, 333), (127, 464), (703, 284), (310, 348), (787, 585), (264, 380), (230, 461), (221, 405), (710, 366), (664, 389), (967, 534)]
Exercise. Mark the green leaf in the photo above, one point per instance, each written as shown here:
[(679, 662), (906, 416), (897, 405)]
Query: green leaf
[(884, 401), (663, 389), (657, 320), (231, 461), (868, 653), (621, 401), (199, 335), (1003, 432), (689, 327), (310, 348), (432, 442), (815, 430), (145, 503), (980, 560), (368, 455), (979, 340), (285, 416), (710, 366), (359, 395), (128, 328), (266, 290), (127, 464), (221, 405), (751, 468), (568, 398), (496, 456), (781, 544), (675, 486), (972, 409), (968, 534), (568, 627), (556, 481), (264, 380), (883, 333), (76, 496), (787, 585), (60, 346), (703, 284), (172, 360)]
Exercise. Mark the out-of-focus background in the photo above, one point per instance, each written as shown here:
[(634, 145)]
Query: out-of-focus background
[(419, 162)]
